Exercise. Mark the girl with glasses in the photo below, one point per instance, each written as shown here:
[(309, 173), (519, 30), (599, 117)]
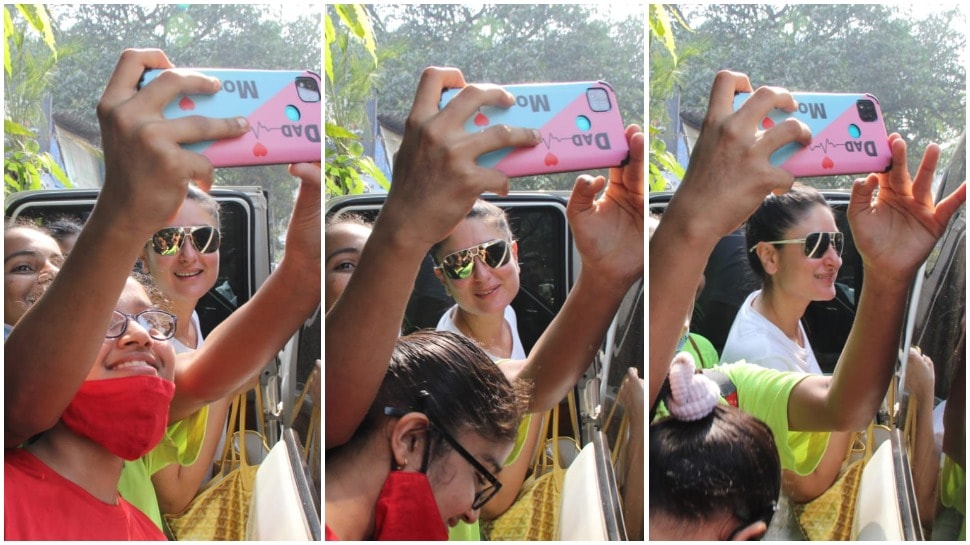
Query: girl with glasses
[(63, 485), (426, 454), (478, 266)]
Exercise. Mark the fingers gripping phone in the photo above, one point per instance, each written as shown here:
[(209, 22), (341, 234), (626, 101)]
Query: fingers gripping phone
[(848, 135), (282, 106), (579, 121)]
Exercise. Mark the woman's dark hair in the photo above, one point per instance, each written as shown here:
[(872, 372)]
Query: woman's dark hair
[(465, 389), (724, 463), (340, 218), (62, 227), (206, 201), (491, 215), (777, 214)]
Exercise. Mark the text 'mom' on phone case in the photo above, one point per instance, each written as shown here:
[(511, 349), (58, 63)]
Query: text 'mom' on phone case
[(580, 125), (282, 106), (848, 135)]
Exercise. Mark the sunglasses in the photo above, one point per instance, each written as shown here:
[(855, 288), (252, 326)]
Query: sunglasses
[(816, 244), (459, 265), (482, 496), (168, 241), (159, 324)]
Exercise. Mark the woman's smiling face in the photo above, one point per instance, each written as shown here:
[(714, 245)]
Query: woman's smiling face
[(189, 274), (31, 259)]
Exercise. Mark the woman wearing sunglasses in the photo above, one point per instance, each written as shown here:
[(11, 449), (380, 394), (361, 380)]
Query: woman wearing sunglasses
[(183, 260), (795, 248), (478, 266), (426, 454)]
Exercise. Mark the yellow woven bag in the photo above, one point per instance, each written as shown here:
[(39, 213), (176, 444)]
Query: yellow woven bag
[(829, 516), (221, 510), (534, 515)]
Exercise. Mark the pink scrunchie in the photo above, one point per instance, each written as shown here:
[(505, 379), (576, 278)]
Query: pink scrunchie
[(692, 395)]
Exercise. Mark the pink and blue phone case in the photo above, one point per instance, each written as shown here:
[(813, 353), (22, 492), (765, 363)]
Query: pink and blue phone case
[(579, 122), (282, 106), (848, 135)]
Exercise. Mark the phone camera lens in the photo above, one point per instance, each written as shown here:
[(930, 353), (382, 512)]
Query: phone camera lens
[(867, 110), (599, 99)]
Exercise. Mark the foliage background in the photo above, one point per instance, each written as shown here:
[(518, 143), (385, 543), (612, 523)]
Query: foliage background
[(504, 44), (90, 37), (913, 61)]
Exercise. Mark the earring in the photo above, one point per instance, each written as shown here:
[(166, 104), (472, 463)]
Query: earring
[(399, 467)]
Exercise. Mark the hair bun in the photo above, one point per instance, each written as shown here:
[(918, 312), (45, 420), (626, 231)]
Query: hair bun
[(692, 395)]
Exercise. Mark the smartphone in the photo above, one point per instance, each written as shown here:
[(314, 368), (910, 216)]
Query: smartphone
[(282, 106), (848, 135), (579, 121)]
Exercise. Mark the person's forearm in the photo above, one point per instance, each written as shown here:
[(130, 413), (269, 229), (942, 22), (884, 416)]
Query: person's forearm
[(50, 351), (925, 461), (677, 261), (571, 341), (868, 359), (363, 326), (248, 339)]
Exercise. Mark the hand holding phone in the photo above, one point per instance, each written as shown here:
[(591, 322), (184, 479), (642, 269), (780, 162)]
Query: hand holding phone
[(579, 122), (848, 135), (282, 106)]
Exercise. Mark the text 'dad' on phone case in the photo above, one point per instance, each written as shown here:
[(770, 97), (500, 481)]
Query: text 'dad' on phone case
[(580, 124), (848, 135), (282, 106)]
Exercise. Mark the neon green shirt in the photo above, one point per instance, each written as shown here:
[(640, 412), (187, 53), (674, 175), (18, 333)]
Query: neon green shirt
[(953, 491), (180, 444), (763, 393)]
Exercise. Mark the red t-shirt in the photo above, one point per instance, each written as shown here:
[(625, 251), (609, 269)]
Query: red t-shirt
[(39, 504)]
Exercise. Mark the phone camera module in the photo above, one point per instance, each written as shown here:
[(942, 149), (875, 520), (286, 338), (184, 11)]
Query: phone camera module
[(867, 110), (598, 99), (307, 89)]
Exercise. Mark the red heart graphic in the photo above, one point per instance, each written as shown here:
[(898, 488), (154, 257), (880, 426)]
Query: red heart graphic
[(187, 103), (481, 119), (259, 150), (767, 123), (828, 163), (551, 160)]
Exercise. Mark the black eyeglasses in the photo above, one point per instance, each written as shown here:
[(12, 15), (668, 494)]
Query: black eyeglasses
[(159, 324), (168, 241), (816, 244), (459, 265), (483, 495)]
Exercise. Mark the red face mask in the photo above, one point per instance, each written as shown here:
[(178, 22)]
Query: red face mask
[(406, 510), (127, 416)]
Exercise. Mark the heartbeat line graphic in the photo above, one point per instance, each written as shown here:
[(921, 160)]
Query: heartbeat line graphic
[(260, 127), (825, 145), (548, 140)]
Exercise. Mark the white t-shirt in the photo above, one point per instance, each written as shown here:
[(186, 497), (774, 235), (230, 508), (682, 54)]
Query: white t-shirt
[(446, 323), (756, 339), (177, 344)]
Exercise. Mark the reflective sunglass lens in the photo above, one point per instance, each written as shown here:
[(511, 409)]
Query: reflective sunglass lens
[(816, 244), (496, 255)]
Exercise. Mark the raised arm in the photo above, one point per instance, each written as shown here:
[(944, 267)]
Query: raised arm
[(434, 185), (895, 230), (146, 179), (728, 177), (253, 334), (608, 233)]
